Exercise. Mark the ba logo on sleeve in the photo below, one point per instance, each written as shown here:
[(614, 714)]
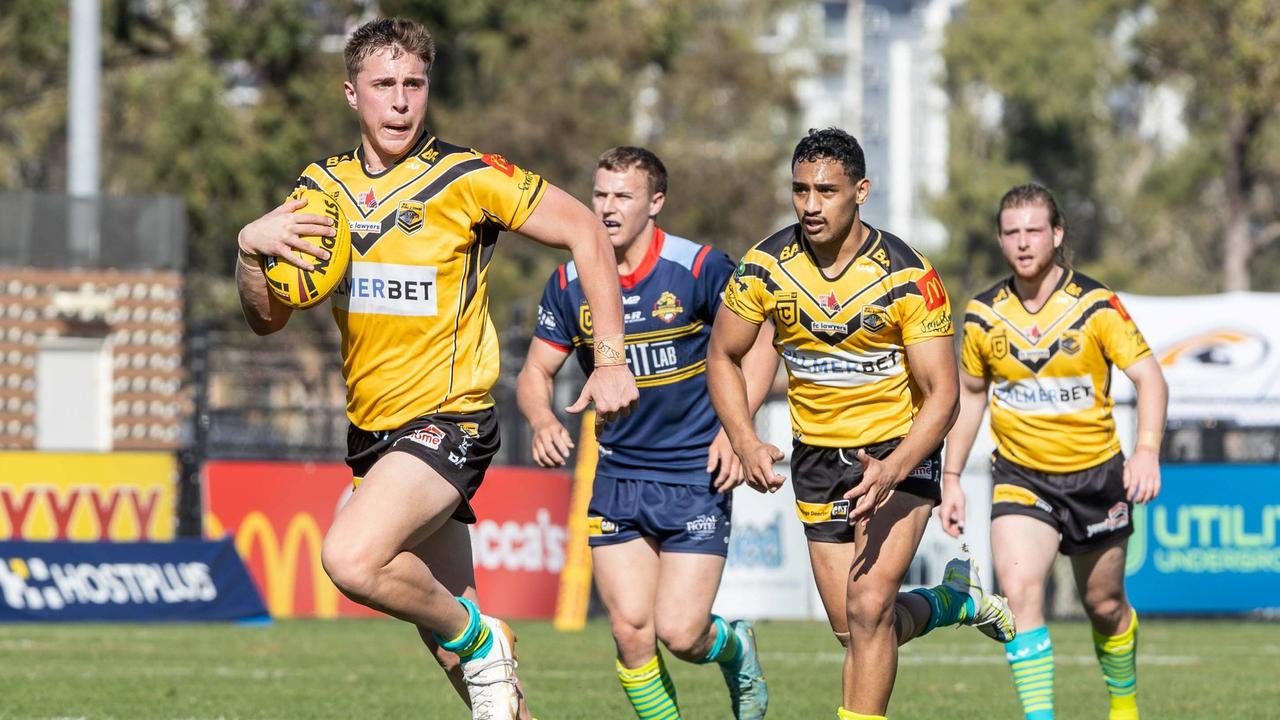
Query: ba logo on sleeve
[(409, 216)]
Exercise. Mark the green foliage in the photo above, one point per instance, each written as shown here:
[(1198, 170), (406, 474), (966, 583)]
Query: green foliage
[(227, 117), (1055, 90)]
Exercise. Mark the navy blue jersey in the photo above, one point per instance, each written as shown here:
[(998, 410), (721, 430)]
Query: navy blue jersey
[(668, 305)]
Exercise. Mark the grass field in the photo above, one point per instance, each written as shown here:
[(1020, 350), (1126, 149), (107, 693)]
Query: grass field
[(376, 669)]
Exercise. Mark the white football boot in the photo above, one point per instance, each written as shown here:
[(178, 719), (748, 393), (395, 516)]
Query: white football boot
[(491, 680)]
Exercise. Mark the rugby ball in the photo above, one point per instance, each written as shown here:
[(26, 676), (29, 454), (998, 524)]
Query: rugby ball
[(303, 288)]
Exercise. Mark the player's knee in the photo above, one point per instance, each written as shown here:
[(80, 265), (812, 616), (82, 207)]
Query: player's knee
[(1023, 591), (631, 634), (349, 568), (680, 637), (842, 638), (870, 609), (1106, 610)]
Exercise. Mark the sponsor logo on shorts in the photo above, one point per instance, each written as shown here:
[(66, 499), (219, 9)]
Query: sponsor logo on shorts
[(431, 436), (597, 526), (1117, 517), (702, 527), (1006, 493), (923, 471), (814, 513), (470, 428)]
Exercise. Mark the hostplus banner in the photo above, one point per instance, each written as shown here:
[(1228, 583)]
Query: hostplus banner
[(184, 580)]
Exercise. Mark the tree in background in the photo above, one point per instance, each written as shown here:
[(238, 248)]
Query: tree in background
[(224, 103), (1081, 96), (1223, 53)]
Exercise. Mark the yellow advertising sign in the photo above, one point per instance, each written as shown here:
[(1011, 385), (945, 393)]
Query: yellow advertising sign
[(87, 497)]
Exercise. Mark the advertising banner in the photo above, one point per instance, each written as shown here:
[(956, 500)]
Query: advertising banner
[(87, 497), (518, 545), (1207, 544), (278, 513), (1220, 354), (183, 580)]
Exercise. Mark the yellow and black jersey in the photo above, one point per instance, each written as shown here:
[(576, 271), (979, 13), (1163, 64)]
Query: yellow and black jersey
[(413, 309), (843, 338), (1050, 371)]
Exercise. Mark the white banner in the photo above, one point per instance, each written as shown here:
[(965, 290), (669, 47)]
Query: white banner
[(1220, 354)]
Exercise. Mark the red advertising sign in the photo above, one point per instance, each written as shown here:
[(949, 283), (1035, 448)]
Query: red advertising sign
[(278, 514), (518, 545)]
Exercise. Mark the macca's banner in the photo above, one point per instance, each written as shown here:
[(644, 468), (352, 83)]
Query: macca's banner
[(183, 580), (87, 497), (1208, 543), (278, 513)]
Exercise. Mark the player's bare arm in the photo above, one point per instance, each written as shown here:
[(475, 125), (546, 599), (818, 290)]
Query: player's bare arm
[(933, 367), (561, 221), (973, 405), (277, 233), (759, 366), (534, 387), (731, 339), (1142, 471)]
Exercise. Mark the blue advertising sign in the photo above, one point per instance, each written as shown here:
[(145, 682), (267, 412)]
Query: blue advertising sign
[(1207, 544), (184, 580)]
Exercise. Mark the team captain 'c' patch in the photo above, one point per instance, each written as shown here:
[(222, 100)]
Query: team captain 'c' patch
[(814, 513)]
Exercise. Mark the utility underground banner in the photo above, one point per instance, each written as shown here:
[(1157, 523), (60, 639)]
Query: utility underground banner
[(1207, 544)]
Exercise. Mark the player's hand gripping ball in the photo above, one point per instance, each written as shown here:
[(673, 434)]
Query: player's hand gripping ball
[(303, 288)]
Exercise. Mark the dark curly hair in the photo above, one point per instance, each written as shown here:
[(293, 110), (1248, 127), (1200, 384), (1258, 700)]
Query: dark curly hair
[(832, 144)]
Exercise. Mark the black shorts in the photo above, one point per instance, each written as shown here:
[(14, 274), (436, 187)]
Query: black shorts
[(1089, 508), (820, 476), (459, 446)]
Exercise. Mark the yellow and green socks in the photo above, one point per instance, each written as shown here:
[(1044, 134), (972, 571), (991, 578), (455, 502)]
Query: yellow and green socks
[(842, 714), (1118, 656), (474, 640), (726, 648), (650, 690), (1030, 656), (946, 607)]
